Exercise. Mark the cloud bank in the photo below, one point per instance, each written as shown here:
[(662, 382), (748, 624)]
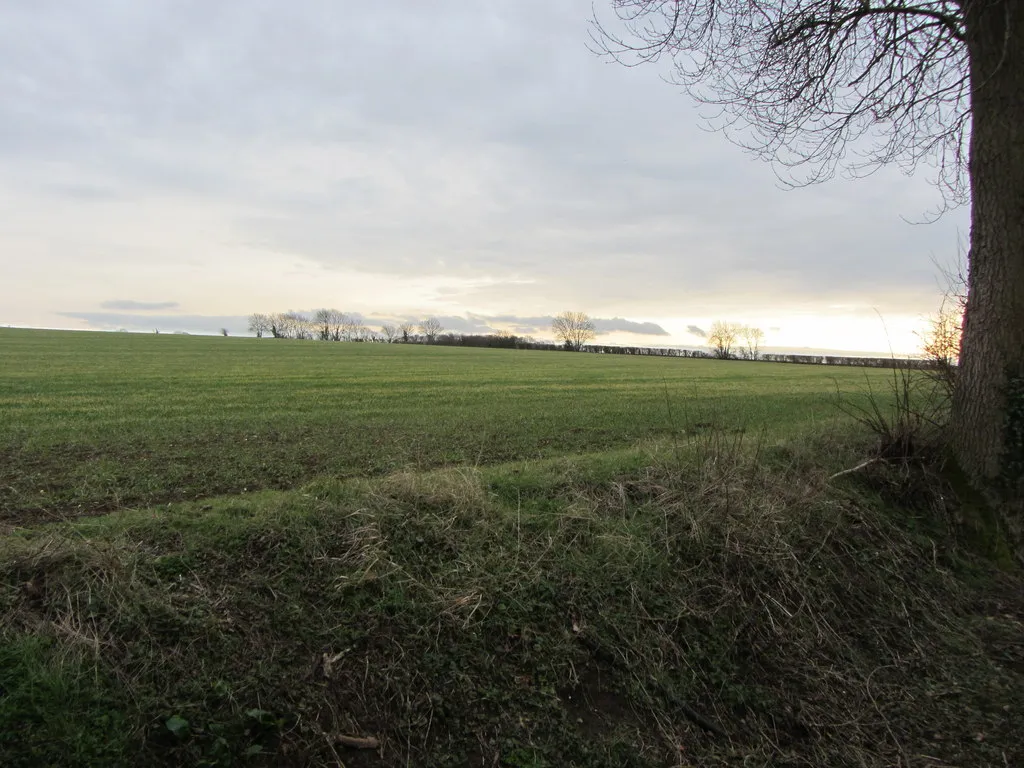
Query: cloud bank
[(238, 324), (466, 159), (128, 304)]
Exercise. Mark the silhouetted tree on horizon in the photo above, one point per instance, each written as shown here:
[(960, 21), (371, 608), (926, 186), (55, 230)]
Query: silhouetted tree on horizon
[(753, 338), (430, 328), (723, 337), (573, 329), (258, 324)]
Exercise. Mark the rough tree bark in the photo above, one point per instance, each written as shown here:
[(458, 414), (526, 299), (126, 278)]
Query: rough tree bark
[(988, 408)]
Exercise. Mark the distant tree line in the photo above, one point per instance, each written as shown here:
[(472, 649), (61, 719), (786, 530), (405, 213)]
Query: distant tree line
[(573, 331), (334, 325)]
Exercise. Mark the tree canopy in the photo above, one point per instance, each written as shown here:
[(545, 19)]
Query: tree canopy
[(816, 84)]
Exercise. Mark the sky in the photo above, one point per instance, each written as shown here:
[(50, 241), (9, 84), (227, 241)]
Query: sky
[(178, 164)]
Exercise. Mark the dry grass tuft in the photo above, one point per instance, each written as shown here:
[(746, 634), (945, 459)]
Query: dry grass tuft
[(716, 601)]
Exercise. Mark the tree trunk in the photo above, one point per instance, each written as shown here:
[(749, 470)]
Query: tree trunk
[(988, 409)]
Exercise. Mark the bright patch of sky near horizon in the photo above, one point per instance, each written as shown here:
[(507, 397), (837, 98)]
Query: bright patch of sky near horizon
[(406, 159)]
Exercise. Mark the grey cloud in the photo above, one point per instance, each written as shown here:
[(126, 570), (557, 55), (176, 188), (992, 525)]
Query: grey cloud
[(479, 324), (467, 324), (456, 139), (355, 317), (696, 331), (528, 322), (237, 324), (129, 305), (82, 192), (542, 324), (534, 325), (210, 324), (628, 326), (450, 323), (473, 323)]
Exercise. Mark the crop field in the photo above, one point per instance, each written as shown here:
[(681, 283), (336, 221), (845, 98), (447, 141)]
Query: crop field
[(98, 421), (241, 552)]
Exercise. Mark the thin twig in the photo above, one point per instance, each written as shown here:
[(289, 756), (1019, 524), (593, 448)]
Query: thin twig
[(859, 467)]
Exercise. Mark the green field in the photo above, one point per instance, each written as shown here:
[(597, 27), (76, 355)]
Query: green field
[(240, 552), (98, 421)]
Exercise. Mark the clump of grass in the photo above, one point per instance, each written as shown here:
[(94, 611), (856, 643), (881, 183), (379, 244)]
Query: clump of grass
[(911, 462), (908, 417), (715, 601), (56, 708)]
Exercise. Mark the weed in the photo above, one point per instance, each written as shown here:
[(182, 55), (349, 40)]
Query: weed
[(908, 421)]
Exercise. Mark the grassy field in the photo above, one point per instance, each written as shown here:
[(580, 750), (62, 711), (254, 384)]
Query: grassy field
[(235, 552), (98, 421)]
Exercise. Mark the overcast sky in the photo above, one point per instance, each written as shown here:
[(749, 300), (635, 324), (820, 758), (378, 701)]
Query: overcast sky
[(180, 164)]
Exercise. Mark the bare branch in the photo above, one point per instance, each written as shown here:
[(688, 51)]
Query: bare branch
[(815, 85)]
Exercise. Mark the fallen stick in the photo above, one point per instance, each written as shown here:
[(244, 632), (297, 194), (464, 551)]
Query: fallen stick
[(358, 742), (859, 467)]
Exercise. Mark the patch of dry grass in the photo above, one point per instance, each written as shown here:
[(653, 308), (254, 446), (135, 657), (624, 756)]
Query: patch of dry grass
[(716, 601)]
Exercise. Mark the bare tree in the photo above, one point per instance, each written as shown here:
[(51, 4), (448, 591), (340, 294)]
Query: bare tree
[(431, 328), (292, 325), (258, 324), (301, 326), (224, 332), (941, 342), (573, 329), (723, 338), (390, 333), (281, 325), (322, 320), (348, 326), (932, 82), (941, 346), (405, 332), (359, 332), (753, 338), (330, 324)]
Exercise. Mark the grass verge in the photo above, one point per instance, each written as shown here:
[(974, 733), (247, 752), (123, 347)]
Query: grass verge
[(711, 603)]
